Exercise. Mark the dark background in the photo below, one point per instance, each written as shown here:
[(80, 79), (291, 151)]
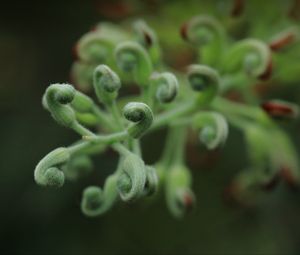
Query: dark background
[(36, 41)]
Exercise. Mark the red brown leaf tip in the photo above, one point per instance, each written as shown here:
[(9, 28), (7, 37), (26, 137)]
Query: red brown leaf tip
[(271, 184), (281, 42), (148, 39), (280, 109), (183, 31), (237, 8), (188, 200), (288, 176)]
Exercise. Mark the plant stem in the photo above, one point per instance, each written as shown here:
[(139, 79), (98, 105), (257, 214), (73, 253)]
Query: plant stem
[(253, 113), (116, 115), (174, 146), (103, 118), (77, 127), (96, 140), (166, 117)]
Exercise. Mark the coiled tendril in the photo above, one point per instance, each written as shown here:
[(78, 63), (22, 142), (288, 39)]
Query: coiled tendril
[(132, 179), (151, 184), (96, 201), (82, 103), (82, 75), (132, 57), (147, 37), (205, 80), (214, 128), (47, 172), (167, 86), (95, 47), (106, 84), (206, 33), (180, 197), (139, 113), (253, 55), (56, 98)]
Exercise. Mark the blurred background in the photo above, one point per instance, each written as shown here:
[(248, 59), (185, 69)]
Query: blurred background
[(36, 41)]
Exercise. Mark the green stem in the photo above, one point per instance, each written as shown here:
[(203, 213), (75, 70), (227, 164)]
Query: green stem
[(121, 149), (148, 95), (136, 147), (174, 146), (251, 112), (166, 117), (103, 118), (116, 115), (90, 141), (179, 150), (77, 127)]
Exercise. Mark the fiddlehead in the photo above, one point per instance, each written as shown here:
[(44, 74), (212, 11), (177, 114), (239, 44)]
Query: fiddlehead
[(132, 178), (180, 197), (56, 100), (151, 184), (213, 128), (167, 86), (139, 113), (95, 47), (82, 103), (253, 55), (96, 201), (206, 33), (205, 81), (147, 37), (82, 75), (47, 172), (106, 84), (132, 58)]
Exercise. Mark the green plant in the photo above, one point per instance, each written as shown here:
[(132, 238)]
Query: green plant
[(111, 57)]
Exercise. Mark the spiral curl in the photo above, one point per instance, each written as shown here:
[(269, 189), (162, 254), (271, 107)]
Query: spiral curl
[(47, 172), (95, 47), (82, 103), (82, 75), (132, 179), (180, 197), (139, 113), (253, 55), (151, 184), (132, 57), (206, 33), (214, 129), (205, 80), (146, 36), (56, 100), (106, 84), (167, 86), (96, 201), (261, 155)]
